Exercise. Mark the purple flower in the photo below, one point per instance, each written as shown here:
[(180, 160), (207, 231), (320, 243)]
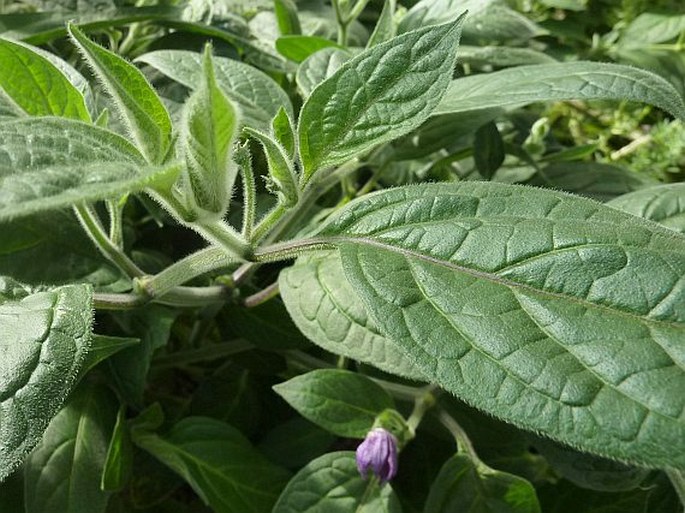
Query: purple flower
[(378, 454)]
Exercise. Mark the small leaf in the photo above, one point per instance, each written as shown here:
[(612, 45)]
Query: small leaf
[(318, 67), (342, 402), (664, 204), (328, 311), (562, 81), (332, 483), (63, 474), (104, 346), (488, 149), (472, 281), (137, 103), (286, 15), (36, 86), (282, 130), (379, 95), (469, 486), (385, 26), (595, 180), (118, 463), (298, 48), (257, 95), (209, 126), (44, 339), (652, 28), (281, 170), (219, 463), (52, 163)]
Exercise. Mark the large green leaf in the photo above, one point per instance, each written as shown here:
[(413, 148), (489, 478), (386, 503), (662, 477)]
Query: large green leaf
[(36, 86), (258, 95), (51, 163), (332, 483), (465, 485), (664, 204), (219, 463), (328, 311), (379, 95), (137, 103), (63, 474), (561, 81), (59, 250), (44, 338), (342, 402), (545, 309)]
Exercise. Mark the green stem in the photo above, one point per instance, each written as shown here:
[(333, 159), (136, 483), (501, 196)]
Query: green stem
[(677, 478), (223, 235), (192, 266), (268, 222), (463, 440), (262, 296), (115, 209), (341, 18), (91, 224), (249, 193), (357, 10), (422, 404), (399, 391), (178, 296)]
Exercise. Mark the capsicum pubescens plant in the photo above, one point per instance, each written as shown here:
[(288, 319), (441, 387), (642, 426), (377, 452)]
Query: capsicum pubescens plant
[(550, 311)]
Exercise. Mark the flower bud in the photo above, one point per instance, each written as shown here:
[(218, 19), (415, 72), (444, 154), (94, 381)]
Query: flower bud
[(378, 454)]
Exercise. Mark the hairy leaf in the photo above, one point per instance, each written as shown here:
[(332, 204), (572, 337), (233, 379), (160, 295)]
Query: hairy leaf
[(63, 474), (219, 463), (342, 402), (318, 67), (379, 95), (44, 338), (332, 483), (664, 204), (471, 486), (138, 105), (547, 310), (563, 81), (257, 95), (281, 170), (51, 163), (329, 312), (36, 86)]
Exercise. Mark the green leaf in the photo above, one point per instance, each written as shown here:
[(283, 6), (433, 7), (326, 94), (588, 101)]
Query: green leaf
[(434, 12), (595, 180), (52, 163), (281, 171), (36, 86), (138, 105), (59, 251), (385, 26), (547, 310), (472, 486), (652, 28), (342, 402), (118, 464), (327, 310), (63, 474), (286, 15), (379, 95), (501, 56), (562, 81), (282, 130), (332, 483), (661, 203), (590, 472), (209, 127), (258, 95), (318, 67), (129, 367), (104, 346), (298, 48), (488, 149), (219, 463), (44, 339)]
